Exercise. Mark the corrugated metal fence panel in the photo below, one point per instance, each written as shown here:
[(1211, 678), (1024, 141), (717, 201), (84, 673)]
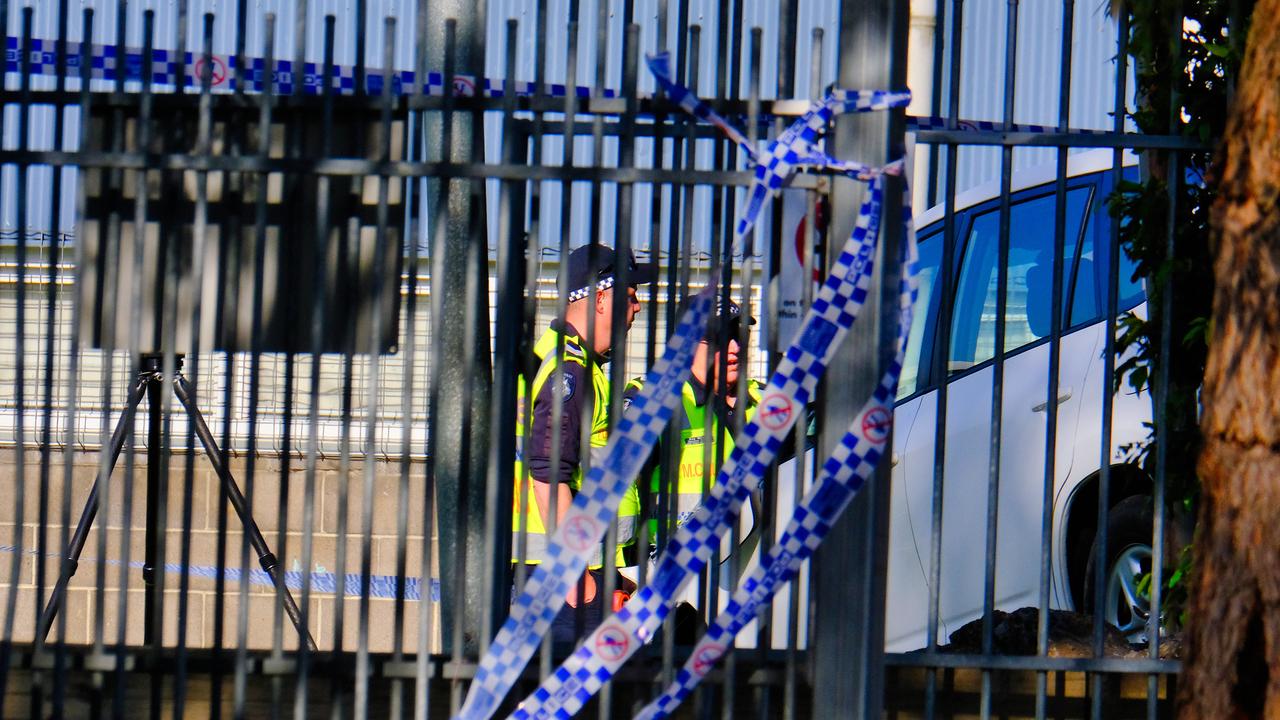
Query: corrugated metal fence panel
[(981, 66), (1036, 90)]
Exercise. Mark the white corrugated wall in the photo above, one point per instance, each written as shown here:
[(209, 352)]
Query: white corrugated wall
[(1036, 96), (981, 92)]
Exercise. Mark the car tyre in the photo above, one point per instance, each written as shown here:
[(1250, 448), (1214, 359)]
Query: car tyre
[(1128, 559)]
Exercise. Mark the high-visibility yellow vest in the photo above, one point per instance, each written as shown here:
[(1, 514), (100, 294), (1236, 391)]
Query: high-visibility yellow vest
[(526, 514), (696, 469)]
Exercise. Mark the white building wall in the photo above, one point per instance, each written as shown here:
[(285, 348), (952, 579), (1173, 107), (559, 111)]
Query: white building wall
[(1036, 90), (981, 91)]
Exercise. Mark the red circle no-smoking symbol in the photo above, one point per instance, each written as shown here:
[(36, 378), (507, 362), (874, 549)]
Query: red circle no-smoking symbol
[(579, 532), (821, 212), (775, 411), (612, 643), (463, 86), (217, 71), (705, 659), (876, 423)]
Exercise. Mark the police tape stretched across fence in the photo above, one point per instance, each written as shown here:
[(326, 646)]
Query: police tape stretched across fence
[(533, 611), (843, 294), (792, 384), (107, 62), (842, 476)]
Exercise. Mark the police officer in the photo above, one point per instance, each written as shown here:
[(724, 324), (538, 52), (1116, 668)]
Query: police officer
[(706, 420), (560, 392), (710, 403)]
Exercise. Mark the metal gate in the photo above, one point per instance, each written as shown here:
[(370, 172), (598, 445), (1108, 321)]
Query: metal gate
[(281, 266)]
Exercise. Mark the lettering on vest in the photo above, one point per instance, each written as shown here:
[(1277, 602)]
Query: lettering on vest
[(691, 470)]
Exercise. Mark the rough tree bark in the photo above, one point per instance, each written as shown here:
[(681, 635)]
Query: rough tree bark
[(1233, 656)]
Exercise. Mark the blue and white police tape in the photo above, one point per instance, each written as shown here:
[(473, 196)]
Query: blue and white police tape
[(843, 475), (107, 59), (109, 62), (577, 536), (322, 582), (660, 66), (511, 650), (794, 149), (833, 312)]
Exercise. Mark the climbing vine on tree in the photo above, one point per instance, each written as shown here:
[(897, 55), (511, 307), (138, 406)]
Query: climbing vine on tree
[(1186, 56)]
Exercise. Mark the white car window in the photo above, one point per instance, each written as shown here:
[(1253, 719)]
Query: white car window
[(927, 272), (1029, 297), (1088, 299)]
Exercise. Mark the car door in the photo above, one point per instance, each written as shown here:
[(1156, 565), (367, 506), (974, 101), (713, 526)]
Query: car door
[(910, 502), (968, 428)]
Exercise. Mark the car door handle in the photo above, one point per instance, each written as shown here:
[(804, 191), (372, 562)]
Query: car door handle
[(1063, 396)]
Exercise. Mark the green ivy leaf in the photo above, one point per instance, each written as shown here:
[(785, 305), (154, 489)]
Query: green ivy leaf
[(1217, 49)]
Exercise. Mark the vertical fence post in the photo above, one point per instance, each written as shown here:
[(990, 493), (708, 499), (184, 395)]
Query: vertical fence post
[(508, 346), (847, 624), (464, 389)]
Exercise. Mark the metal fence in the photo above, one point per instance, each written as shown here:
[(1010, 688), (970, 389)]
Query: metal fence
[(295, 298)]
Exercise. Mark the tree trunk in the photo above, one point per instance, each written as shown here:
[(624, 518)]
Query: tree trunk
[(1233, 655)]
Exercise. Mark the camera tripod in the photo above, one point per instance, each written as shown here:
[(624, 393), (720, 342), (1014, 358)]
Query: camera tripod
[(149, 382)]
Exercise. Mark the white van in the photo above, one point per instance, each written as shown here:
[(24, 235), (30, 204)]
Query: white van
[(969, 359)]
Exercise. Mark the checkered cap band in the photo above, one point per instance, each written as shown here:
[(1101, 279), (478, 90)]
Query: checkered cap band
[(582, 292)]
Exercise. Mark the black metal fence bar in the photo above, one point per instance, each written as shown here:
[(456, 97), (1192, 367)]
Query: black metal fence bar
[(940, 365), (1055, 360), (994, 458), (1104, 480), (18, 389)]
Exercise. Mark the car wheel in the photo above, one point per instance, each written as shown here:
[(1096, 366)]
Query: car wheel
[(1128, 560)]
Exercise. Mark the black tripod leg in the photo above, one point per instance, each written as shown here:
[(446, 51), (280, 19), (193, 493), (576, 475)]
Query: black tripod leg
[(265, 557), (154, 524), (72, 561)]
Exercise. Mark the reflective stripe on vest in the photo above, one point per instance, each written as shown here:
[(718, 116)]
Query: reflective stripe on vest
[(537, 537)]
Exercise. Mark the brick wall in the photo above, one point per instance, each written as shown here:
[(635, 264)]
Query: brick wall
[(125, 537)]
